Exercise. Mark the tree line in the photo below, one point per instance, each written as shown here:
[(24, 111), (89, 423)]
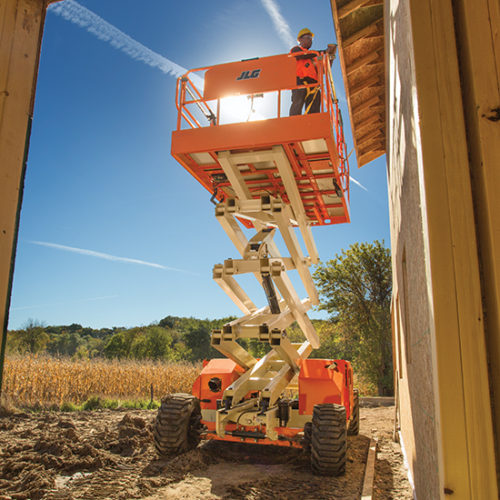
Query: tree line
[(171, 339), (355, 289)]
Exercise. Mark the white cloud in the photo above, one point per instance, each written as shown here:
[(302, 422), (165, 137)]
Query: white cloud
[(74, 12), (279, 22), (106, 256)]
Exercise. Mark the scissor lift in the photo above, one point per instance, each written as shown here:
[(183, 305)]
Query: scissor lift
[(276, 174)]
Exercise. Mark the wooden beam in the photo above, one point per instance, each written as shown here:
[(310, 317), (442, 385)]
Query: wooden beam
[(366, 104), (368, 138), (365, 158), (21, 24), (351, 7), (377, 113), (373, 131), (370, 58), (465, 436), (368, 31), (372, 148), (368, 142), (369, 147), (366, 494), (368, 124), (369, 82), (369, 135), (479, 56)]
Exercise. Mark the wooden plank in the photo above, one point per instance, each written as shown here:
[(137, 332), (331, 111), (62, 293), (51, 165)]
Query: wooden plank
[(373, 145), (369, 82), (465, 431), (368, 137), (370, 142), (369, 31), (367, 491), (369, 147), (374, 120), (366, 158), (351, 7), (370, 58), (370, 123), (376, 114), (366, 104), (21, 24), (479, 54)]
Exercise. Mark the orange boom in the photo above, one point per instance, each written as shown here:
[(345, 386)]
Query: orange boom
[(269, 172)]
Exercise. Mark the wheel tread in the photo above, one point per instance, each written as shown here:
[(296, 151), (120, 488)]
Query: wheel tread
[(353, 429), (328, 441), (178, 424)]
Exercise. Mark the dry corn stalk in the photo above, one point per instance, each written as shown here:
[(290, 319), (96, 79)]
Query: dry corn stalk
[(33, 380)]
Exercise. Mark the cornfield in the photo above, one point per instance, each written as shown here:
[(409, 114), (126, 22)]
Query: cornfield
[(43, 381)]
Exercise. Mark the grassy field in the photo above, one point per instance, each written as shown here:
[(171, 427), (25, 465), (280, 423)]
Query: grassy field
[(31, 381)]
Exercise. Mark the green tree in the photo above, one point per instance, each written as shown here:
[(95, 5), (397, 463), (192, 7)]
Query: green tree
[(158, 343), (356, 290), (197, 340), (65, 343), (33, 338), (115, 347), (168, 322)]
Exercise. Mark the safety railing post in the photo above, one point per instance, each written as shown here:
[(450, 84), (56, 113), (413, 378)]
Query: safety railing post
[(182, 84)]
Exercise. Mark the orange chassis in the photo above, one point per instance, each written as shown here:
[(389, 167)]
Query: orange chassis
[(319, 381)]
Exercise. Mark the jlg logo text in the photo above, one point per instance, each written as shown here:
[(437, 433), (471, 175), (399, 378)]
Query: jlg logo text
[(247, 75)]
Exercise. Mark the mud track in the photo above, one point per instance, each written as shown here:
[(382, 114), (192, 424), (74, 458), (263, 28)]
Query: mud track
[(109, 454)]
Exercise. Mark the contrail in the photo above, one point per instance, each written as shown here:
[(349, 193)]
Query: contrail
[(357, 183), (279, 22), (74, 12), (106, 256)]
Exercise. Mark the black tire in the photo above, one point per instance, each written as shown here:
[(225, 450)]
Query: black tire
[(178, 424), (353, 429), (306, 441), (329, 440)]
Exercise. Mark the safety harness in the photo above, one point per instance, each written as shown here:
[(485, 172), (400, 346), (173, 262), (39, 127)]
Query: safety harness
[(310, 91), (307, 69)]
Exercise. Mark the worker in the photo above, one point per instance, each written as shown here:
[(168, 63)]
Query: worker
[(307, 73)]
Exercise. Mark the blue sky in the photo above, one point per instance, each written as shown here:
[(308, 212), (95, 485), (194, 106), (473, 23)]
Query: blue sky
[(113, 231)]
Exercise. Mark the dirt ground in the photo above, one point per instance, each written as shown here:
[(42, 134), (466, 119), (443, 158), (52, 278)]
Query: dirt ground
[(109, 454)]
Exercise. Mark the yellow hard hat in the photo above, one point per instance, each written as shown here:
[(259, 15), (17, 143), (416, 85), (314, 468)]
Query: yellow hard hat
[(304, 31)]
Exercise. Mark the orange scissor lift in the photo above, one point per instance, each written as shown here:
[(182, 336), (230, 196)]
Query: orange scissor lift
[(281, 173)]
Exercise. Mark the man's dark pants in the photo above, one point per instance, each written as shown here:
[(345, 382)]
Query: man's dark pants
[(301, 97)]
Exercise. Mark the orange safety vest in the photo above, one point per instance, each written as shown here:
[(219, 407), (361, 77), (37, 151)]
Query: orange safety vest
[(306, 68)]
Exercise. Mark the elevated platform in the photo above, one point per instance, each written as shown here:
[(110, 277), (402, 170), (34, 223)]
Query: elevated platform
[(245, 154)]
